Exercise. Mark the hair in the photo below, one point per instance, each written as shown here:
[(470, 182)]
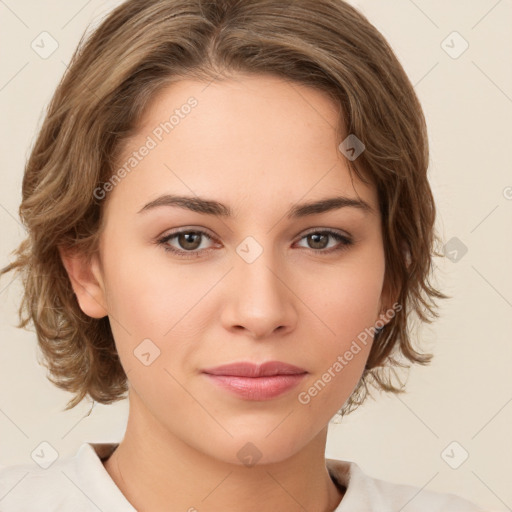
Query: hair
[(140, 48)]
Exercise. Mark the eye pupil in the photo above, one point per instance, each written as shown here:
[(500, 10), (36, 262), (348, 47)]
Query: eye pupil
[(315, 238), (189, 244)]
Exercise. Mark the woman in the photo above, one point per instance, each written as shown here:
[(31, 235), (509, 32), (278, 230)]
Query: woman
[(229, 220)]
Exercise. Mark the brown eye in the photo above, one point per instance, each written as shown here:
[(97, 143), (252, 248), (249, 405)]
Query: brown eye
[(187, 243), (189, 240), (318, 241)]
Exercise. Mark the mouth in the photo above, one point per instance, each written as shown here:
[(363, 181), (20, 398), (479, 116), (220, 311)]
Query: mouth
[(251, 381)]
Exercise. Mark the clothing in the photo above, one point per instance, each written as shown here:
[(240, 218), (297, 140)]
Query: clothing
[(82, 484)]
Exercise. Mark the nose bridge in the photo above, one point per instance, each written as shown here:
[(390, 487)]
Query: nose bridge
[(259, 300), (258, 270)]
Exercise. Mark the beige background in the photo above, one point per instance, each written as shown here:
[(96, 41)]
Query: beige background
[(466, 394)]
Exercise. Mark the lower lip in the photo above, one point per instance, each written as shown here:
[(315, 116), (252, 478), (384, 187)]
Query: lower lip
[(257, 388)]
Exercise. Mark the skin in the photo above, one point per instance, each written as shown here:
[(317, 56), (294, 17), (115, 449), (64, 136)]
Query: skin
[(259, 145)]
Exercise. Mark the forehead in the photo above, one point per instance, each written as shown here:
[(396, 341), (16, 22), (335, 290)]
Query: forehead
[(250, 135)]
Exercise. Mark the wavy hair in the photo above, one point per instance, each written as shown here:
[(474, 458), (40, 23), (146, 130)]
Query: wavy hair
[(144, 45)]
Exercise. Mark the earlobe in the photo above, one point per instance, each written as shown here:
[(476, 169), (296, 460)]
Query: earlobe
[(86, 280)]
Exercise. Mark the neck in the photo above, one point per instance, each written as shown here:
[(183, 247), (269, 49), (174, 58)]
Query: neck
[(159, 472)]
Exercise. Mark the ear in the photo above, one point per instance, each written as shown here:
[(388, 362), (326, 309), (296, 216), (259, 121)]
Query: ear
[(87, 282)]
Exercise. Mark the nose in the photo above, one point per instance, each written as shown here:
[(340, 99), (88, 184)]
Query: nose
[(259, 298)]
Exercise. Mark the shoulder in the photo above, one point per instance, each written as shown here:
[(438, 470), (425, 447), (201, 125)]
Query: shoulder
[(365, 493), (79, 483), (24, 485)]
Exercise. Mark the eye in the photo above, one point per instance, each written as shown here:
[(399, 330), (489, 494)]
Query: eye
[(318, 241), (189, 242)]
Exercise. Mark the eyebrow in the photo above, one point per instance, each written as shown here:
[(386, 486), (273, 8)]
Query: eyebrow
[(215, 208)]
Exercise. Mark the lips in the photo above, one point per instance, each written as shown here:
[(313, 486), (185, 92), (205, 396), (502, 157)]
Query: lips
[(267, 369), (256, 382)]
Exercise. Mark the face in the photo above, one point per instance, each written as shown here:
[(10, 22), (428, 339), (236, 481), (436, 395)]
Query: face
[(250, 277)]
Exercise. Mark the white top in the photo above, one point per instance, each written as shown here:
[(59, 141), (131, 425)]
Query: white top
[(82, 484)]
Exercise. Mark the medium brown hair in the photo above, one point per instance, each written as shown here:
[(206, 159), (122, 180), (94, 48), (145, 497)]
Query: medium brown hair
[(141, 47)]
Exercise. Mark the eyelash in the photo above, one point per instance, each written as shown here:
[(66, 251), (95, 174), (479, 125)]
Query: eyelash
[(345, 243)]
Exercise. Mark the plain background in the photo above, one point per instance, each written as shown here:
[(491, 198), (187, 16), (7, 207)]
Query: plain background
[(465, 395)]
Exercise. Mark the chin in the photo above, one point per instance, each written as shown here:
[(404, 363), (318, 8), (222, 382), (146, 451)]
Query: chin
[(257, 447)]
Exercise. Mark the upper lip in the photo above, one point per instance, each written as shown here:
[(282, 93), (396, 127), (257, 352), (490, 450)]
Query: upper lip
[(247, 369)]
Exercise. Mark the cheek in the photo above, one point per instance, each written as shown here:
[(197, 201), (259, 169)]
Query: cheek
[(152, 299), (346, 302), (150, 295), (347, 306)]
